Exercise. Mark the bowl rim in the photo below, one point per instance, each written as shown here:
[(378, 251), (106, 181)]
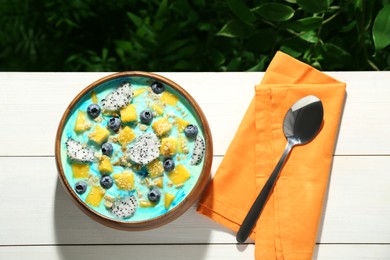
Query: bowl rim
[(172, 214)]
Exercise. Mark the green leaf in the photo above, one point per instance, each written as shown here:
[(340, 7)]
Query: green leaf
[(174, 45), (305, 24), (309, 36), (240, 10), (290, 51), (236, 28), (135, 19), (259, 66), (358, 5), (234, 64), (335, 57), (275, 12), (294, 46), (217, 58), (381, 28), (313, 6), (162, 9), (348, 27)]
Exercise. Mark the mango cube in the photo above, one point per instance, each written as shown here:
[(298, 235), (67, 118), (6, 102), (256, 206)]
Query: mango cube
[(126, 136), (155, 169), (168, 146), (82, 123), (99, 134), (128, 113), (182, 145), (181, 124), (139, 91), (124, 180), (94, 97), (179, 175), (80, 170), (168, 198), (159, 182), (169, 98), (95, 196), (158, 109), (161, 126), (146, 204), (105, 165)]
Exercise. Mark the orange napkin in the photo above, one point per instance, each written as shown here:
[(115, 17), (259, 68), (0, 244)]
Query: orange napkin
[(288, 224)]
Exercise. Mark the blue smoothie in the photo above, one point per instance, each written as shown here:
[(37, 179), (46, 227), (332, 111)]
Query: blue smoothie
[(172, 190)]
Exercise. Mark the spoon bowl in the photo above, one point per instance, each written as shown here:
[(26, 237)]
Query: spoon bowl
[(304, 119), (301, 124)]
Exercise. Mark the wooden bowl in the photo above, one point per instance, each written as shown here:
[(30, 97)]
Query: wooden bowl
[(170, 215)]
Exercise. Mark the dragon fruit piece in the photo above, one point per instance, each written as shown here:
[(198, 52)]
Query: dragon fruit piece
[(124, 208), (118, 98), (77, 152), (145, 149), (198, 152)]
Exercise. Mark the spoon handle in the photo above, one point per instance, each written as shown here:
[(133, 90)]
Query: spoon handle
[(257, 207)]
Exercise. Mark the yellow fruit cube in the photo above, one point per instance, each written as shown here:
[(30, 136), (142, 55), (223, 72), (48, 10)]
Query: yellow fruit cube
[(169, 98), (128, 113), (95, 196), (80, 170), (168, 198), (159, 182), (94, 97), (168, 146), (124, 180), (155, 169), (82, 123), (161, 126), (126, 136), (105, 165), (139, 91), (179, 175), (99, 134), (182, 145), (181, 124), (146, 204), (158, 109)]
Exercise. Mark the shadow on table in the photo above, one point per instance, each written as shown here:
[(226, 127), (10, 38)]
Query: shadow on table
[(73, 227), (325, 204)]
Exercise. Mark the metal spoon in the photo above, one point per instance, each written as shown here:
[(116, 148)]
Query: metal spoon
[(301, 124)]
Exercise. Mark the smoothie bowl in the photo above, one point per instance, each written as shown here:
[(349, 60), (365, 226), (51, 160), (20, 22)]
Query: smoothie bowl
[(134, 150)]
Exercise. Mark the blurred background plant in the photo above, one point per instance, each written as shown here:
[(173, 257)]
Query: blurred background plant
[(197, 35)]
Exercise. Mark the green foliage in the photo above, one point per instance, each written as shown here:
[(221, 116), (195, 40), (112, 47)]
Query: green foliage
[(197, 35), (381, 29)]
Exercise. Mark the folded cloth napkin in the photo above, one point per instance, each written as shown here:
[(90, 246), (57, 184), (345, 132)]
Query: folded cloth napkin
[(288, 224)]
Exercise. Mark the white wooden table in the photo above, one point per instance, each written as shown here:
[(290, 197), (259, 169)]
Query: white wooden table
[(39, 221)]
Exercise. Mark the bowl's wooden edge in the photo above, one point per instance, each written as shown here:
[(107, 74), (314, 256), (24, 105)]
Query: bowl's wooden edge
[(170, 215)]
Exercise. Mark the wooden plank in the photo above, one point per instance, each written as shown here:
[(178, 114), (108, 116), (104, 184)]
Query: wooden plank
[(31, 105), (195, 252), (37, 210)]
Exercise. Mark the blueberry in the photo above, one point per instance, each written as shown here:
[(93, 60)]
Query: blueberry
[(80, 187), (169, 165), (93, 110), (154, 195), (146, 117), (114, 123), (106, 182), (107, 149), (157, 87), (191, 131)]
